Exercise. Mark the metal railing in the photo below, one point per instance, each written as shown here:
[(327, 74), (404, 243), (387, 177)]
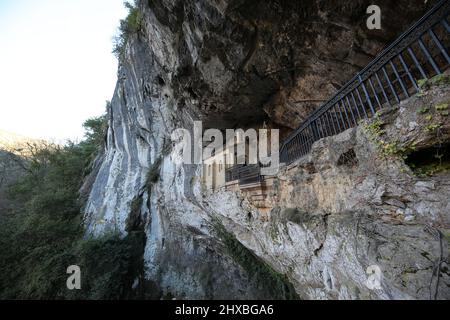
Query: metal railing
[(419, 53), (245, 174)]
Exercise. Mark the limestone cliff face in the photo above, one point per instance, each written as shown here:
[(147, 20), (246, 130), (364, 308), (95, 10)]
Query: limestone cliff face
[(238, 63), (351, 204)]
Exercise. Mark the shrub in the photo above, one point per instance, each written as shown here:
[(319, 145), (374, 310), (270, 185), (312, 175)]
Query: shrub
[(110, 265), (132, 24), (43, 234)]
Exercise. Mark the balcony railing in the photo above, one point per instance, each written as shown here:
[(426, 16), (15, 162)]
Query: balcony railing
[(244, 174), (420, 53)]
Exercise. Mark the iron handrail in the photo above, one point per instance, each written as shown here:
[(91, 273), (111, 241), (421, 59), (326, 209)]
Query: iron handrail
[(438, 14), (245, 174)]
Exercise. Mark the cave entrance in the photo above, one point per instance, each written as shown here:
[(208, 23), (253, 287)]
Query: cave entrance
[(430, 161)]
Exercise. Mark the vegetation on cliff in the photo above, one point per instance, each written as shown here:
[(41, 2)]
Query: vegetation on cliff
[(263, 275), (42, 235), (132, 24)]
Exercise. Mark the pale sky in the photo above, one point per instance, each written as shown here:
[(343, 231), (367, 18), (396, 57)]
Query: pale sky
[(56, 65)]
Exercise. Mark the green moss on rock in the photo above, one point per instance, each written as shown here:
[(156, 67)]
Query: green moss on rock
[(439, 80), (266, 278)]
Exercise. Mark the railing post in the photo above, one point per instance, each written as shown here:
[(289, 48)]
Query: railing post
[(351, 110), (417, 63), (366, 93), (315, 131), (356, 106), (394, 68), (445, 24), (405, 67), (345, 111), (362, 103), (331, 120), (380, 83), (440, 45), (330, 117), (389, 82), (429, 57), (375, 93)]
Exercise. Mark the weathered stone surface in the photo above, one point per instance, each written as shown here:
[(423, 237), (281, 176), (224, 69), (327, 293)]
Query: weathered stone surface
[(240, 62), (348, 218), (233, 63)]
